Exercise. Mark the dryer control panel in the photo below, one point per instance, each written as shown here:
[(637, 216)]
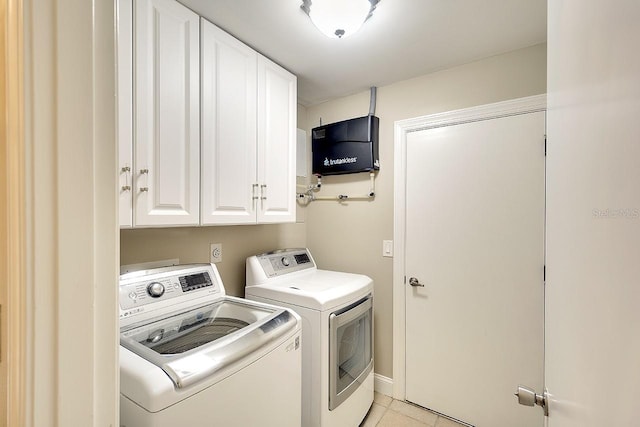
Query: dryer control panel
[(285, 261)]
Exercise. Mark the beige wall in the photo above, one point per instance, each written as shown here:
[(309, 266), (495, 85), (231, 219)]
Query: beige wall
[(348, 236), (191, 244)]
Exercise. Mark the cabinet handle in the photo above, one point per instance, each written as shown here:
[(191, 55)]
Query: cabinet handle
[(263, 190), (254, 196), (127, 171), (142, 172)]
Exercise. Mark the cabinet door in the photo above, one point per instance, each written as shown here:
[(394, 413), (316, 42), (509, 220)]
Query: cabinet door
[(125, 110), (277, 92), (228, 84), (167, 114)]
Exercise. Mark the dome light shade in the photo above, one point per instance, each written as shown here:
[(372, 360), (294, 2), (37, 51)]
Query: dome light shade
[(338, 18)]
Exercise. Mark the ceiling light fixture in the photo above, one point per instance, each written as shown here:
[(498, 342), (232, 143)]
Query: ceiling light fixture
[(339, 18)]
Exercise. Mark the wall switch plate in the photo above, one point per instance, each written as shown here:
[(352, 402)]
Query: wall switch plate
[(215, 252), (387, 248)]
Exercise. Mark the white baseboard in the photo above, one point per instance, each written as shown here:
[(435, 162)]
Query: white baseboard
[(383, 385)]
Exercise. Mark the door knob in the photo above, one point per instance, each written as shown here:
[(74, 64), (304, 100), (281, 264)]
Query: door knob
[(415, 282), (528, 397)]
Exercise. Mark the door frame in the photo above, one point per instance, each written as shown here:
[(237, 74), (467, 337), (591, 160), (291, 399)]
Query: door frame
[(60, 215), (13, 236), (402, 128)]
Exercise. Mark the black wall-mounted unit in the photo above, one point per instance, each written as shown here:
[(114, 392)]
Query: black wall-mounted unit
[(349, 146)]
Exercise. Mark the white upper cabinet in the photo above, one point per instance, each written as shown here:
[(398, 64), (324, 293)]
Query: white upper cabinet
[(228, 85), (166, 81), (277, 93), (125, 110), (248, 134), (179, 76)]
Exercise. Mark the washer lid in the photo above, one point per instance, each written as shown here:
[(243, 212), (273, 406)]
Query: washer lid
[(191, 345), (315, 289)]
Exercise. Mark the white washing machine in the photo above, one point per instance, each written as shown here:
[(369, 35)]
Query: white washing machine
[(191, 356), (337, 332)]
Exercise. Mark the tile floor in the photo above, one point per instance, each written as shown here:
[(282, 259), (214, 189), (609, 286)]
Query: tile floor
[(388, 412)]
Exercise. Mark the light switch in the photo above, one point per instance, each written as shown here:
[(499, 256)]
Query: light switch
[(387, 248)]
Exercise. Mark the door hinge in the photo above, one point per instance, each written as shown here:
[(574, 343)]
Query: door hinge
[(545, 145), (544, 274)]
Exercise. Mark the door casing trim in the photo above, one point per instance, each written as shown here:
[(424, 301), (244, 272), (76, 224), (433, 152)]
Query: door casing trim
[(14, 278)]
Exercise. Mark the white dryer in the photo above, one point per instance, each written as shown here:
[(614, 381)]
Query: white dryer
[(191, 356), (337, 332)]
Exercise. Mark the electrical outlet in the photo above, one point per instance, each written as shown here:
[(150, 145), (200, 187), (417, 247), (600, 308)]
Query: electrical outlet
[(215, 252)]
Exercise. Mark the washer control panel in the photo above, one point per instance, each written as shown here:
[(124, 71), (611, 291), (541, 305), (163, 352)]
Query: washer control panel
[(285, 261), (151, 289)]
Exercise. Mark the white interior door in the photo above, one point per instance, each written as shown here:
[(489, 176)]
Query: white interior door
[(475, 240), (592, 367)]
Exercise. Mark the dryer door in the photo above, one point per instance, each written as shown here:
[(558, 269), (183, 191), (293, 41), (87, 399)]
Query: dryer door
[(350, 349)]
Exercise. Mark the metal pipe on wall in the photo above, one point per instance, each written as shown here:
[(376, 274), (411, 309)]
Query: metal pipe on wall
[(343, 197)]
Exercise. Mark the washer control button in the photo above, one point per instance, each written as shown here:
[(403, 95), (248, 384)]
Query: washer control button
[(285, 261), (155, 289), (132, 295)]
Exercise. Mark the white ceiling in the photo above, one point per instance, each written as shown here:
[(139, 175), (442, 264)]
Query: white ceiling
[(403, 39)]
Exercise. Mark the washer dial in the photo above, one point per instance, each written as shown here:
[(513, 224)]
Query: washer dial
[(155, 289)]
